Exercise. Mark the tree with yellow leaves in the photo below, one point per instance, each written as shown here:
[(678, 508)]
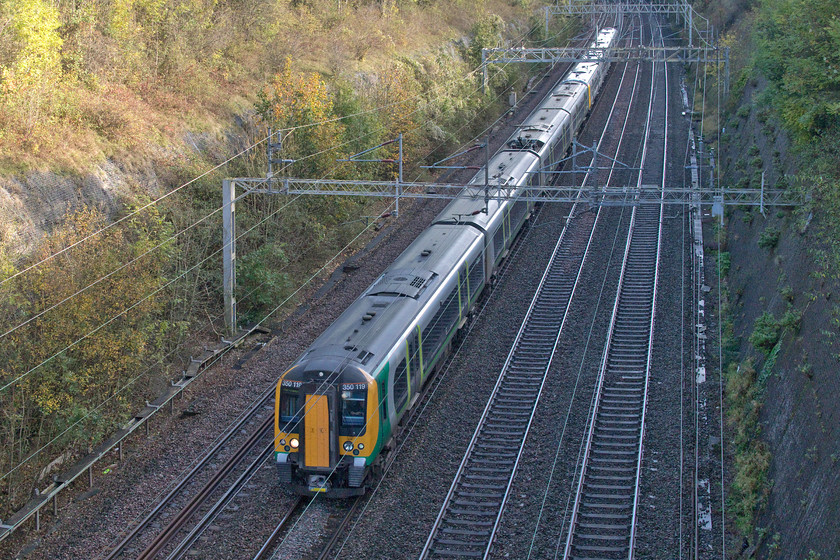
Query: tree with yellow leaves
[(27, 78), (77, 330), (299, 104)]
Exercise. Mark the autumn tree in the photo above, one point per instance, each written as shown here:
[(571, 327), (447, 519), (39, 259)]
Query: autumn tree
[(31, 66), (299, 104), (80, 328)]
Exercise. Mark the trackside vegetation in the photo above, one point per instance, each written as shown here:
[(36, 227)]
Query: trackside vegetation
[(111, 304), (785, 84)]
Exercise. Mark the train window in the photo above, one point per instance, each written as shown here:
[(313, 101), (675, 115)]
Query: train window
[(435, 332), (416, 366), (518, 213), (400, 386), (289, 409), (353, 412), (498, 241), (476, 274)]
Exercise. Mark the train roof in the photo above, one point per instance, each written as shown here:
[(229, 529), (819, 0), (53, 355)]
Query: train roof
[(373, 324), (583, 71), (508, 167), (548, 118), (368, 329)]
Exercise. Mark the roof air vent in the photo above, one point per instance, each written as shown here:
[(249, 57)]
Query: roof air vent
[(426, 252)]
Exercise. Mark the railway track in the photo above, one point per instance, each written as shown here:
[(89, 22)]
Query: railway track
[(603, 519), (179, 524), (469, 518), (267, 549), (192, 506)]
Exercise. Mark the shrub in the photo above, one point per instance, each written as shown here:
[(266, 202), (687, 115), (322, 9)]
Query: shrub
[(787, 293), (752, 456), (724, 262), (748, 217), (791, 319), (765, 332), (744, 111), (769, 238)]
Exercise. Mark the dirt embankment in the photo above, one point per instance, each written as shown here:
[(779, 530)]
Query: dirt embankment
[(774, 269)]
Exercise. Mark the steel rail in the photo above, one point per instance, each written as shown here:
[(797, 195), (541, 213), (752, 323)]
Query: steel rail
[(208, 518), (230, 434), (178, 522), (652, 316), (330, 546), (268, 545), (620, 399), (516, 394)]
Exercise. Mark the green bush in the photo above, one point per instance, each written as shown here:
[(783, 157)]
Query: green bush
[(797, 40), (791, 319), (748, 217), (769, 238), (744, 111), (766, 330), (787, 293), (724, 262)]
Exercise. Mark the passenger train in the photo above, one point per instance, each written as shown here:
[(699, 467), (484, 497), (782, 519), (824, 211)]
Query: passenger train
[(339, 406)]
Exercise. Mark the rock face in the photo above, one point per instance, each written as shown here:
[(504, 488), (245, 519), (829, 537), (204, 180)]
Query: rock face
[(800, 419), (32, 204)]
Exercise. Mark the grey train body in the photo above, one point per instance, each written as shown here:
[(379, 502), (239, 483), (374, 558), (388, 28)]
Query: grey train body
[(372, 361)]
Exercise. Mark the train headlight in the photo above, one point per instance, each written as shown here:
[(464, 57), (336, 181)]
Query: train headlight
[(361, 446), (294, 443), (348, 446), (282, 442)]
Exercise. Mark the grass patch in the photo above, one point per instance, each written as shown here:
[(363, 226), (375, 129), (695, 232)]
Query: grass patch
[(750, 486)]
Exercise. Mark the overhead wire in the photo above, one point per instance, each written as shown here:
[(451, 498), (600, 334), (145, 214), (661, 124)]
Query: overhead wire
[(574, 391), (171, 238), (90, 413), (144, 254), (163, 287), (408, 358), (202, 175), (287, 131), (475, 138)]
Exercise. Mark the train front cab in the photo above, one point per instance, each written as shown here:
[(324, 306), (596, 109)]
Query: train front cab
[(326, 426)]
